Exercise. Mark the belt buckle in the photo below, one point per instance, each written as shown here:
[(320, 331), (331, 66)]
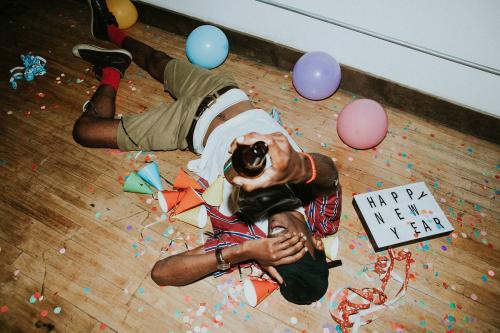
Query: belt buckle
[(212, 101)]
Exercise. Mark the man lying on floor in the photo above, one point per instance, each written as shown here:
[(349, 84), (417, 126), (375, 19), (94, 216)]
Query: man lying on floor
[(279, 220)]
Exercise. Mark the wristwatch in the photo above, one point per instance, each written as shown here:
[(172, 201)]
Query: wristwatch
[(222, 265)]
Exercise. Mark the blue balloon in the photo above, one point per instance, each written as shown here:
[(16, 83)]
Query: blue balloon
[(207, 46)]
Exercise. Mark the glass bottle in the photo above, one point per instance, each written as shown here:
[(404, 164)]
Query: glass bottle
[(247, 161)]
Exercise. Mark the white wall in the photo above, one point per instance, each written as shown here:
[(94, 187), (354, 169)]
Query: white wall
[(461, 28)]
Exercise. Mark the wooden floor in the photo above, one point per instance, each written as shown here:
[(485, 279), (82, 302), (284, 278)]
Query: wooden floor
[(70, 234)]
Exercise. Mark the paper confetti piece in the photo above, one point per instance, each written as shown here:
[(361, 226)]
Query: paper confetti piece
[(44, 313), (57, 310), (4, 308), (86, 290)]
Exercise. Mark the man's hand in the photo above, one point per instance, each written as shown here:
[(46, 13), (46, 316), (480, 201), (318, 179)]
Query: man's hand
[(283, 249), (288, 166)]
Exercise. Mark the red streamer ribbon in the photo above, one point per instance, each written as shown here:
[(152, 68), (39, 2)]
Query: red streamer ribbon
[(377, 296)]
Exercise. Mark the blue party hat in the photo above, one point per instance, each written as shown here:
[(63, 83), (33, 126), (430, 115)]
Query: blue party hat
[(151, 175)]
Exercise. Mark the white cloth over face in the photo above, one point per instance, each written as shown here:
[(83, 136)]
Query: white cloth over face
[(215, 154)]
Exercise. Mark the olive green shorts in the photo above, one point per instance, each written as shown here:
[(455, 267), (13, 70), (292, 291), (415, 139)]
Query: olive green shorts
[(166, 126)]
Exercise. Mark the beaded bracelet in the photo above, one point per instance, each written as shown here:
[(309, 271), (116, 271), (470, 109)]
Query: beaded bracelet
[(313, 167)]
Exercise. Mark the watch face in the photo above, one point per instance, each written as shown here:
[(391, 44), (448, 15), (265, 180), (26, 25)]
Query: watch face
[(223, 266)]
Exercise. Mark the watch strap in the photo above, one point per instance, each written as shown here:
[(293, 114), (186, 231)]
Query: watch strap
[(221, 263)]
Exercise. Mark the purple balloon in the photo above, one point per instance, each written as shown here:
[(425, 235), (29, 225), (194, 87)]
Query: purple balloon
[(316, 75)]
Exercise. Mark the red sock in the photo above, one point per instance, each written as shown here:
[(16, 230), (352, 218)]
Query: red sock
[(115, 35), (110, 77)]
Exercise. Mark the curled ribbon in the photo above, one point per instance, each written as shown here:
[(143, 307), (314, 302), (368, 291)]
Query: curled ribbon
[(373, 299), (32, 66)]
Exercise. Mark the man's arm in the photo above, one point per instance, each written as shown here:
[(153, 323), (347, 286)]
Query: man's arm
[(190, 266), (326, 181), (290, 166)]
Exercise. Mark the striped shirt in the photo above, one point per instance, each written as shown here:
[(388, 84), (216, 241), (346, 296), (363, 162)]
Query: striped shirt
[(323, 219)]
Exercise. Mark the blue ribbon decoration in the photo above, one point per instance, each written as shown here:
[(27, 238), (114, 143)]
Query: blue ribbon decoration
[(32, 66)]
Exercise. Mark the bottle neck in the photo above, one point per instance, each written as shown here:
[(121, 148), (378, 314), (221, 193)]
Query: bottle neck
[(256, 155)]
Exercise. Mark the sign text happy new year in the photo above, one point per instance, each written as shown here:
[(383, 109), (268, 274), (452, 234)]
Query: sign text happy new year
[(401, 214)]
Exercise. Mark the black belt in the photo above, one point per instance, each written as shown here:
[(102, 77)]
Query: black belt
[(205, 104)]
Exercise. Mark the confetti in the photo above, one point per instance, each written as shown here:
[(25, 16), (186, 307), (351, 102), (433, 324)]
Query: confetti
[(57, 310), (4, 308), (44, 313), (86, 290), (293, 320), (491, 273)]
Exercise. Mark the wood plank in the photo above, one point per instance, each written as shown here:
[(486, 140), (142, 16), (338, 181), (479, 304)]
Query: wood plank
[(55, 194)]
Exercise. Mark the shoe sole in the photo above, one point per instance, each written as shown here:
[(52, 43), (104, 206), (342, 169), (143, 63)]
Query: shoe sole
[(99, 49)]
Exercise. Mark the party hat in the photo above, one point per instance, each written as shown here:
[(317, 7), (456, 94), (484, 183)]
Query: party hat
[(136, 184), (189, 200), (196, 216), (257, 289), (151, 174), (183, 180), (213, 195), (168, 199), (331, 245)]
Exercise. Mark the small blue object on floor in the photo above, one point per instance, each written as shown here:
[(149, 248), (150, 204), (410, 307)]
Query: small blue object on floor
[(32, 66), (276, 116)]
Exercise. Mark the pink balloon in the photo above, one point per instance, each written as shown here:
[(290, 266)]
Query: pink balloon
[(362, 124)]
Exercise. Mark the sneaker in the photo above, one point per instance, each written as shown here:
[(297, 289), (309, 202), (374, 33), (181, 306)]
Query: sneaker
[(101, 17), (118, 59)]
